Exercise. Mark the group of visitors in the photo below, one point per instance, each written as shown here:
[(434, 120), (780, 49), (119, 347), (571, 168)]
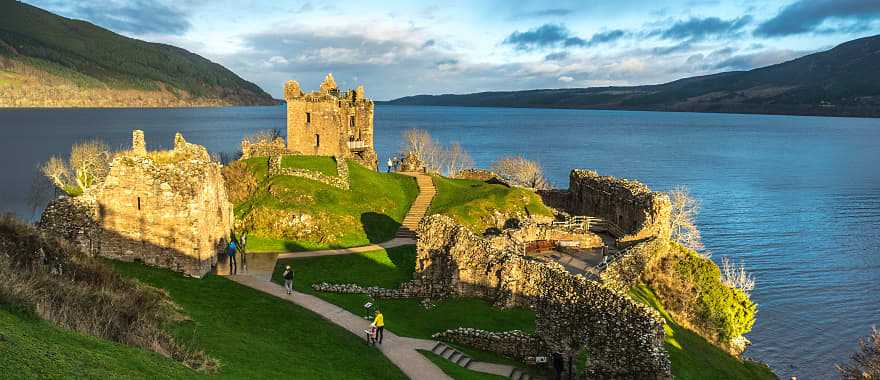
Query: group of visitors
[(393, 164), (237, 245)]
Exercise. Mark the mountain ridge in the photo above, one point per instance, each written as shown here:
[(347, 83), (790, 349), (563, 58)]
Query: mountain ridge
[(47, 60), (842, 81)]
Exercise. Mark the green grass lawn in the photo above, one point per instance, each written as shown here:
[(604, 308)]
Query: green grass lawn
[(31, 348), (325, 165), (692, 356), (472, 203), (257, 336), (370, 212), (405, 317), (456, 371)]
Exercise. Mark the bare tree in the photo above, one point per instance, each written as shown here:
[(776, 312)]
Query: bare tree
[(865, 363), (735, 276), (420, 143), (456, 160), (519, 171), (684, 212), (88, 164)]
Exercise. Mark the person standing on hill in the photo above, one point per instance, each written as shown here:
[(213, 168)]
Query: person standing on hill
[(379, 321), (288, 279), (390, 164), (230, 252)]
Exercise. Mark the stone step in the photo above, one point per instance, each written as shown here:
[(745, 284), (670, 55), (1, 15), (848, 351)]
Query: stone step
[(465, 361), (448, 353), (455, 356), (438, 348)]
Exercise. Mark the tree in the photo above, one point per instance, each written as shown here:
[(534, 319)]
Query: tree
[(519, 171), (88, 164), (865, 363), (684, 212), (456, 160)]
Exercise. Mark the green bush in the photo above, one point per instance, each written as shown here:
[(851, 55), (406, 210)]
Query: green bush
[(730, 310)]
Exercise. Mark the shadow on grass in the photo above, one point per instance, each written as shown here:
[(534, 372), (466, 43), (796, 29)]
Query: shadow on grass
[(378, 227)]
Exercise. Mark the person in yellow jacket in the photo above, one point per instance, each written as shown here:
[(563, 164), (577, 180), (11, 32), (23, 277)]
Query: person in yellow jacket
[(379, 322)]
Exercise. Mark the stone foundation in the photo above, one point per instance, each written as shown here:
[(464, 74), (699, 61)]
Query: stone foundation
[(340, 181), (513, 344)]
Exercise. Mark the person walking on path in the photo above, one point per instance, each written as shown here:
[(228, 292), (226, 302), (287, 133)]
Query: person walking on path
[(288, 279), (242, 247), (379, 321), (230, 252), (390, 164)]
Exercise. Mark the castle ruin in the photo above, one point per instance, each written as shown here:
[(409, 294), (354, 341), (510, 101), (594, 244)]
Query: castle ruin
[(163, 208), (328, 122)]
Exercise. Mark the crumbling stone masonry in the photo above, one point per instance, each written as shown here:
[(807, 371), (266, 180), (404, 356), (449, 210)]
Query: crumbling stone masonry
[(165, 208), (623, 338), (329, 123), (642, 214)]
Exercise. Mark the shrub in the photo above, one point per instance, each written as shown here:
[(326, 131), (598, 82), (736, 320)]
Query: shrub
[(691, 288), (52, 279), (241, 184), (865, 362)]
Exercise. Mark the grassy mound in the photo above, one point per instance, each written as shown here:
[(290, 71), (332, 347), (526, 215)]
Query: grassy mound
[(31, 348), (407, 317), (257, 336), (296, 214), (692, 356), (49, 278), (474, 203)]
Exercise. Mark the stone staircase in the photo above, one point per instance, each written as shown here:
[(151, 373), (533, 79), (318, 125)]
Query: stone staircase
[(465, 361), (419, 207)]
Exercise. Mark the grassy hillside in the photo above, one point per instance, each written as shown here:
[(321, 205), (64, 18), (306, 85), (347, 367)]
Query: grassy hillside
[(49, 60), (32, 348), (692, 356), (370, 212), (257, 336), (842, 81), (473, 203)]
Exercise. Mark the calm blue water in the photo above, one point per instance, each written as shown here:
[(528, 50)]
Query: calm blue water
[(797, 198)]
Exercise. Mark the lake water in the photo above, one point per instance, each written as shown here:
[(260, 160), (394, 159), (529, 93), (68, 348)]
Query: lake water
[(796, 198)]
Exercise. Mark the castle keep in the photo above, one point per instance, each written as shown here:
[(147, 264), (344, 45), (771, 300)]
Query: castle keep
[(330, 123), (164, 208)]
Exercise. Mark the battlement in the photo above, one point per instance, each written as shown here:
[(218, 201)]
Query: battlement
[(328, 122)]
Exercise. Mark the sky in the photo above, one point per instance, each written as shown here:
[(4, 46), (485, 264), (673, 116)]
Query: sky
[(399, 48)]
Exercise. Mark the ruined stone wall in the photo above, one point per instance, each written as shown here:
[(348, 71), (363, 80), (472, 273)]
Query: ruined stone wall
[(166, 208), (630, 205), (324, 122), (624, 339), (625, 270)]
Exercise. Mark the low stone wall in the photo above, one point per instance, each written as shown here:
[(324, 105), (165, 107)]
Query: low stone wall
[(73, 219), (531, 231), (340, 181), (630, 205), (624, 339), (513, 344), (263, 148)]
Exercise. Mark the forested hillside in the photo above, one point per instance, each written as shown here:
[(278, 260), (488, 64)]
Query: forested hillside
[(49, 60), (843, 81)]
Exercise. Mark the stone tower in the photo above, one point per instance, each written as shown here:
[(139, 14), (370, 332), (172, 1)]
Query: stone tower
[(329, 123)]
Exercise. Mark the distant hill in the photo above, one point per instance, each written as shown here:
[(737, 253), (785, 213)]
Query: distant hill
[(843, 81), (50, 61)]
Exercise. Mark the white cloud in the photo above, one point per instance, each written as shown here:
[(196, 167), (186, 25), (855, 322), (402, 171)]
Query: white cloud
[(566, 79)]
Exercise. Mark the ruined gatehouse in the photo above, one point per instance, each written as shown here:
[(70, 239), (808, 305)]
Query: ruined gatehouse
[(164, 208), (328, 122)]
